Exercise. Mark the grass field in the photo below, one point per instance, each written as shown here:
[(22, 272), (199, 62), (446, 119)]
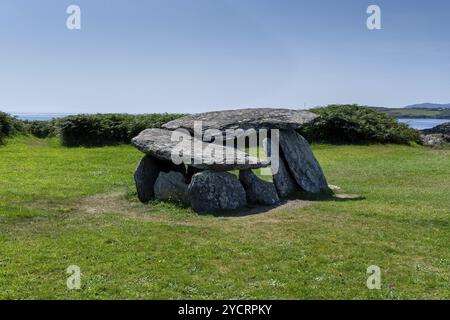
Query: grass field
[(76, 206)]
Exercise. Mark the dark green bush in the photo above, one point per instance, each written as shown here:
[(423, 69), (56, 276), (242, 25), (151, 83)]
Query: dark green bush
[(41, 129), (357, 124), (9, 126), (107, 129)]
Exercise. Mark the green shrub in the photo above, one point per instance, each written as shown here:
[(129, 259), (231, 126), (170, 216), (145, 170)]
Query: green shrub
[(107, 129), (9, 126), (41, 129), (357, 124)]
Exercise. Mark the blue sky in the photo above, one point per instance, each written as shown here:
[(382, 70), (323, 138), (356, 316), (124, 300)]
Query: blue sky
[(197, 55)]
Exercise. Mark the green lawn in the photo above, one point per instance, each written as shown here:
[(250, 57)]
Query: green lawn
[(76, 206)]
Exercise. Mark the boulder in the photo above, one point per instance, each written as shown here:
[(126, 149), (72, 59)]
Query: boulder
[(282, 179), (437, 136), (147, 172), (258, 191), (171, 186), (212, 191), (435, 140), (302, 163), (158, 143), (253, 118)]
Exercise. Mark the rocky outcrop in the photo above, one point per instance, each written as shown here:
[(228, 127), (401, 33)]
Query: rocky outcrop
[(258, 191), (437, 136), (301, 162), (171, 186), (436, 140), (147, 172), (440, 129), (158, 143), (211, 191)]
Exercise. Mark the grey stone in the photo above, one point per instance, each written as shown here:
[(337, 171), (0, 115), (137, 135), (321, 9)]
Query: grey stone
[(158, 143), (281, 176), (302, 163), (283, 180), (435, 140), (436, 136), (190, 173), (258, 191), (212, 191), (254, 118), (171, 186), (147, 172)]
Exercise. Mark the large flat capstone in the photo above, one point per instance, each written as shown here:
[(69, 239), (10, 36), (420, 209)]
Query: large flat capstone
[(253, 118), (201, 155)]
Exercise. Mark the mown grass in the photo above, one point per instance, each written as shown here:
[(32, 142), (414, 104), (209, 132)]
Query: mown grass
[(76, 206)]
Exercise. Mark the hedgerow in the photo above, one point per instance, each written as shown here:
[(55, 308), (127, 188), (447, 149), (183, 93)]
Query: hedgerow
[(357, 124), (107, 129), (9, 126), (337, 124)]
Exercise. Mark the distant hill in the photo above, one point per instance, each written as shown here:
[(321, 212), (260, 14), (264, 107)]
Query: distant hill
[(428, 106), (442, 113), (441, 129)]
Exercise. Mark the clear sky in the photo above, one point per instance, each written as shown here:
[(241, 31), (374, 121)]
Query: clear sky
[(198, 55)]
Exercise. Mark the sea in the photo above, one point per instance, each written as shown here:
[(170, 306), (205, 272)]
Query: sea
[(421, 124), (40, 116), (418, 124)]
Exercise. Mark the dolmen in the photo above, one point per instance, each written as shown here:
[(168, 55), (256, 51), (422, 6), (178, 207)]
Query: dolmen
[(189, 159)]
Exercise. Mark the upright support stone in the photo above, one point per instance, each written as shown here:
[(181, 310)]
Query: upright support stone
[(171, 186), (302, 163), (147, 172), (282, 179), (211, 191), (258, 191), (145, 176)]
